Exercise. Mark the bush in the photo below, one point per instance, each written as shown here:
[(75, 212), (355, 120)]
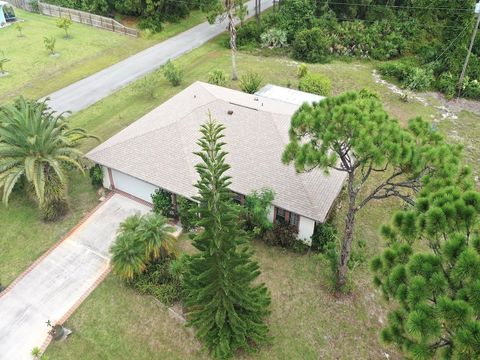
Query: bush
[(256, 209), (274, 38), (315, 84), (217, 77), (294, 16), (250, 82), (162, 203), (302, 70), (96, 175), (471, 88), (323, 235), (248, 35), (408, 74), (281, 235), (157, 280), (447, 84), (173, 73), (312, 46), (187, 214)]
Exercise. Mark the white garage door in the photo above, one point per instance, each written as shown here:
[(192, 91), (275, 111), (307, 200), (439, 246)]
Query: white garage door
[(133, 186)]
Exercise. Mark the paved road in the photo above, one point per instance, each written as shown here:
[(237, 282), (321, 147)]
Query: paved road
[(61, 280), (88, 91)]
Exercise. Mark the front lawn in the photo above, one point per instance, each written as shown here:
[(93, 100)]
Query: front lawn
[(117, 323), (34, 73)]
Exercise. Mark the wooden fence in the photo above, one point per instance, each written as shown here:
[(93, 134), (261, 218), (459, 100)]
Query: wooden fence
[(78, 16)]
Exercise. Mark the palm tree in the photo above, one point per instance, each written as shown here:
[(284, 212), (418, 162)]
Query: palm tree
[(155, 233), (36, 144), (141, 239)]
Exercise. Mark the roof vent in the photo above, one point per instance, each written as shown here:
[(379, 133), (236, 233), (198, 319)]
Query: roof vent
[(255, 98), (230, 112)]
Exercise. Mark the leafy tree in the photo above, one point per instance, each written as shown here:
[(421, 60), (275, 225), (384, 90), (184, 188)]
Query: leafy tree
[(219, 10), (37, 145), (430, 271), (352, 133), (141, 239), (50, 43), (173, 73), (65, 24), (223, 303), (256, 209)]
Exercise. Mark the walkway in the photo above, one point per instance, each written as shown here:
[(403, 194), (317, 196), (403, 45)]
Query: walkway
[(88, 91), (61, 279)]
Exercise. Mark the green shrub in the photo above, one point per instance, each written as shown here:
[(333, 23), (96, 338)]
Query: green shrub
[(187, 214), (162, 203), (315, 84), (256, 209), (302, 70), (282, 235), (157, 280), (323, 235), (274, 38), (471, 88), (312, 46), (173, 73), (96, 175), (408, 74), (294, 16), (419, 79), (151, 23), (217, 77), (248, 35), (447, 84), (50, 43), (250, 82)]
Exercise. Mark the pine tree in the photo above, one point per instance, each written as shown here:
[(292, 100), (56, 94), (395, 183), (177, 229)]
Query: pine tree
[(352, 133), (224, 303), (436, 290)]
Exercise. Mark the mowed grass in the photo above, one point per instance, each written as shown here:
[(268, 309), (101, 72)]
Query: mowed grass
[(34, 73), (306, 321), (24, 236)]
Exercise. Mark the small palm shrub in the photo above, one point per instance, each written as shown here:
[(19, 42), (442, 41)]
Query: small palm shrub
[(217, 77), (250, 82), (315, 84), (274, 38), (141, 239), (173, 73)]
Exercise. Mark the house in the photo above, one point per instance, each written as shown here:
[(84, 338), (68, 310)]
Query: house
[(6, 13), (156, 151)]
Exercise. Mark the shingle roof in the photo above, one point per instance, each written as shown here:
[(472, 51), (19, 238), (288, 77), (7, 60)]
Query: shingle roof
[(158, 148)]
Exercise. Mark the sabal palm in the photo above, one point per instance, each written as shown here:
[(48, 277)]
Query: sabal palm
[(141, 238), (36, 143)]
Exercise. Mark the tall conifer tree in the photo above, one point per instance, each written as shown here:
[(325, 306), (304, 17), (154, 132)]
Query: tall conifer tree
[(223, 302)]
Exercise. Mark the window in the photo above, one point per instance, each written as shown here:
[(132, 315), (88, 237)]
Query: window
[(281, 216), (293, 219)]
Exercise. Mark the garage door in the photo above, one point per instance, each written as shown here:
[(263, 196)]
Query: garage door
[(133, 186)]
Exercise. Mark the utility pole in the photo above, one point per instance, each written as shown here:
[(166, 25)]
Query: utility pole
[(464, 70)]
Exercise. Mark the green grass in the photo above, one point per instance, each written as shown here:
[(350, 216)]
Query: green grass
[(117, 323), (24, 236), (34, 73)]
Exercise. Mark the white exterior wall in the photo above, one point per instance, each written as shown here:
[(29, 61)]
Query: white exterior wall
[(271, 213), (305, 229), (106, 178), (133, 186)]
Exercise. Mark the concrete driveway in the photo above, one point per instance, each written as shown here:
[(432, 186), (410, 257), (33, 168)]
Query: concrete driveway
[(88, 91), (59, 281)]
